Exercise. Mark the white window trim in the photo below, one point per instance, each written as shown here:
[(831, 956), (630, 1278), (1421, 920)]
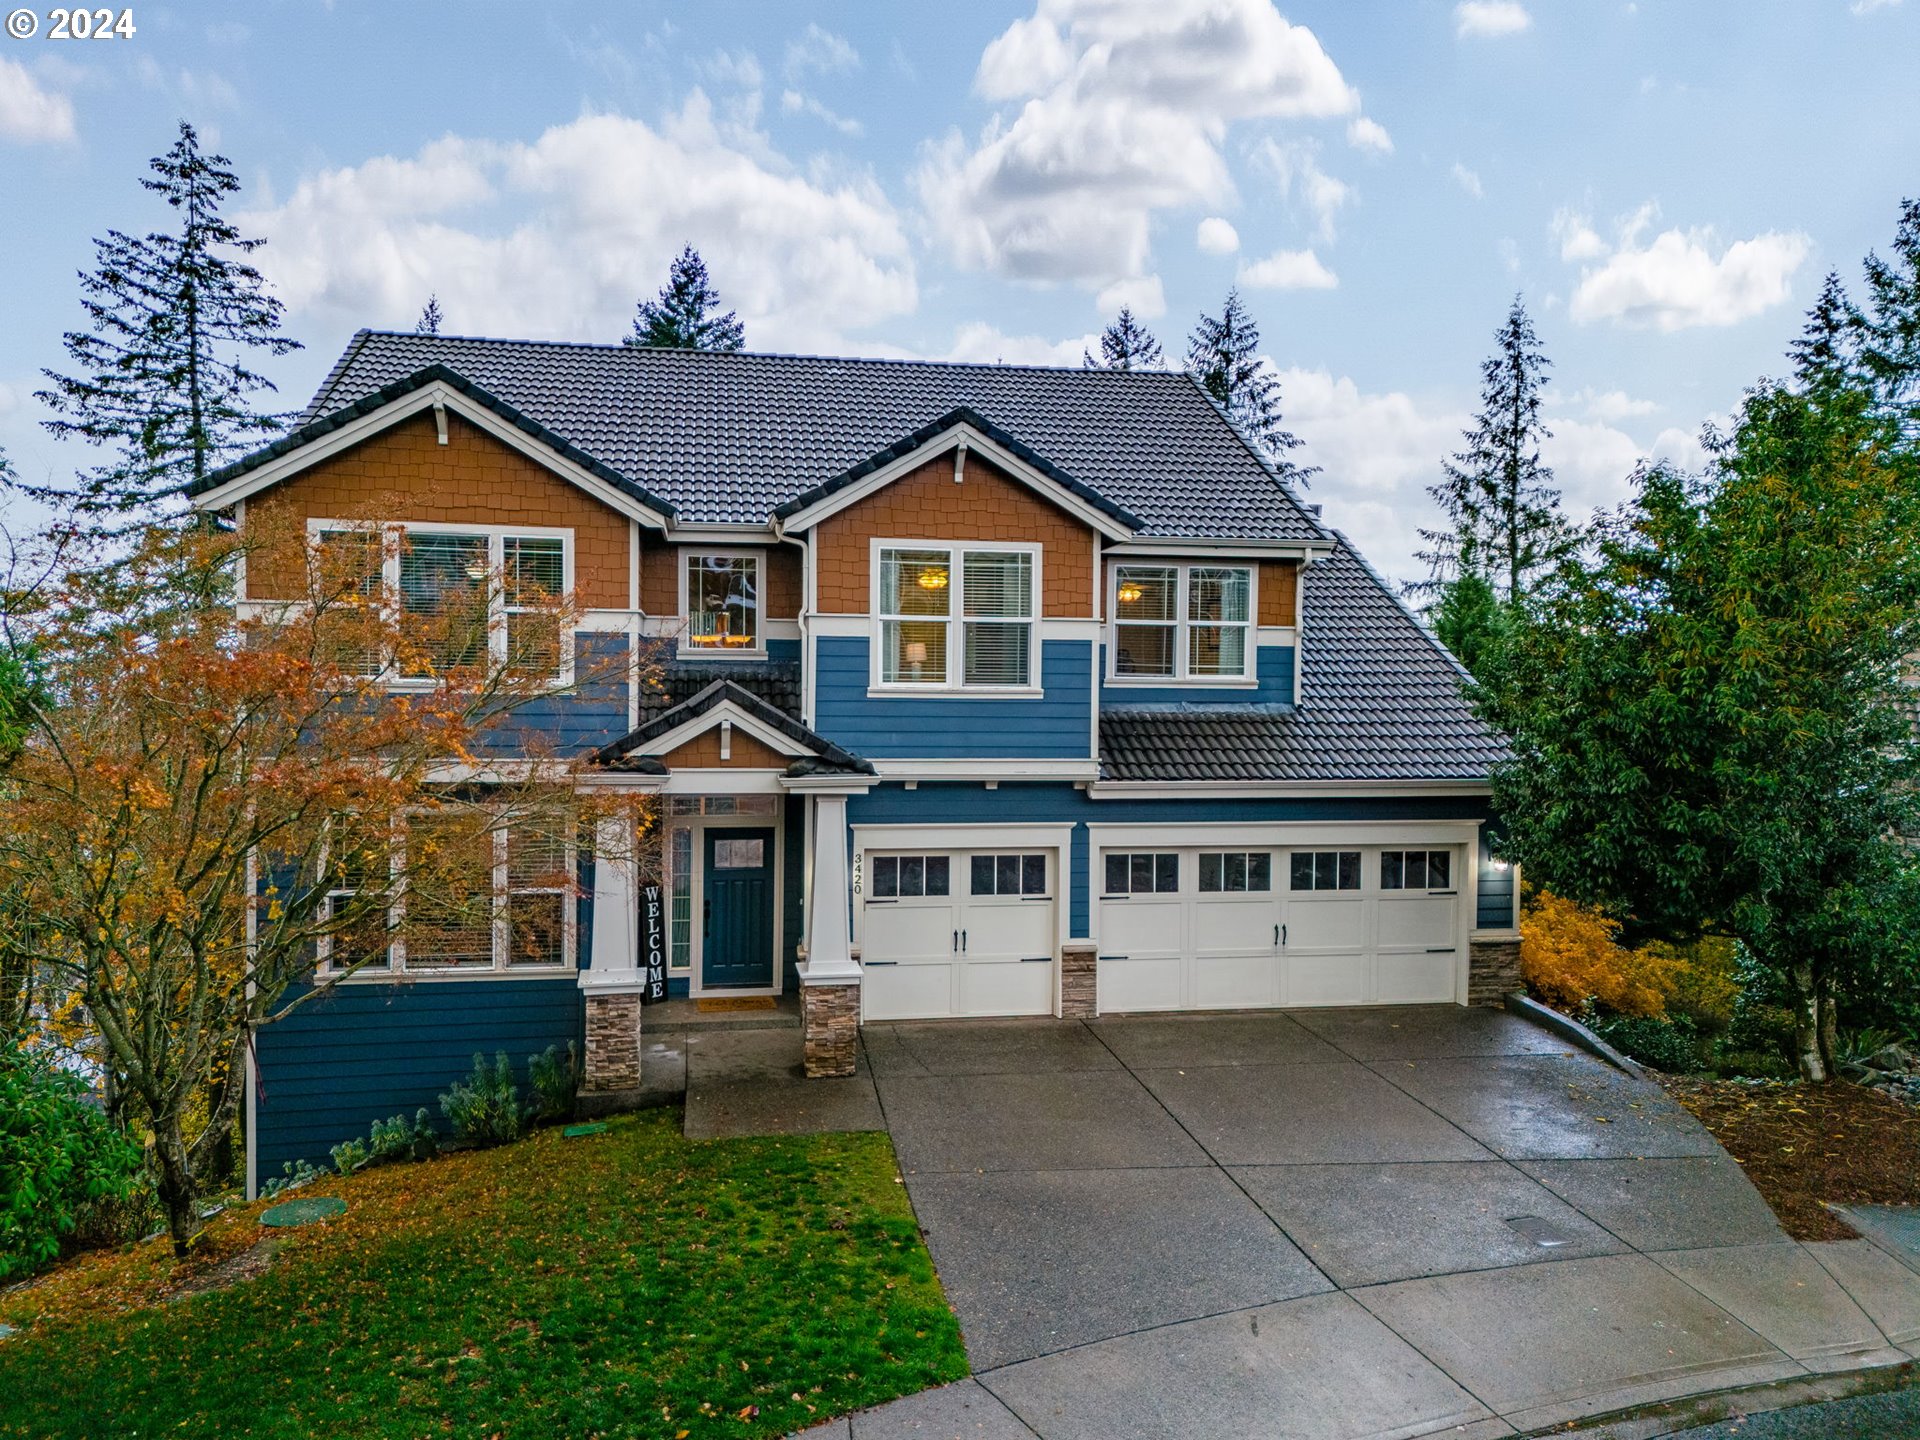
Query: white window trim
[(1182, 623), (953, 687), (496, 536), (758, 650)]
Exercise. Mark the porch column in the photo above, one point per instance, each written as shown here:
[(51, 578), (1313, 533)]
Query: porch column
[(613, 981), (830, 979)]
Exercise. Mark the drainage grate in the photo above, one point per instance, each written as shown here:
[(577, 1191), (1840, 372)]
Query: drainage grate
[(1544, 1233)]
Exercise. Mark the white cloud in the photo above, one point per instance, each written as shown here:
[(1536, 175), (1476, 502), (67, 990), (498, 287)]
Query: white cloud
[(1288, 270), (560, 237), (1467, 180), (822, 51), (29, 113), (1115, 112), (1216, 236), (1609, 405), (1675, 281), (1296, 166), (1576, 236), (1366, 134), (1867, 7), (980, 342), (1141, 294), (794, 103), (1490, 17)]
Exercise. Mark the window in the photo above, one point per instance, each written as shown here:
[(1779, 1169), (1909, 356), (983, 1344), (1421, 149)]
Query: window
[(350, 579), (1182, 622), (1324, 870), (539, 880), (739, 854), (954, 617), (534, 575), (723, 603), (895, 876), (1009, 875), (722, 804), (680, 887), (1416, 870), (1143, 874), (449, 897), (1236, 871), (352, 859)]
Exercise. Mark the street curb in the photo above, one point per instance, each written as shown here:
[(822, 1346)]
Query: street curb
[(1570, 1029), (1670, 1417)]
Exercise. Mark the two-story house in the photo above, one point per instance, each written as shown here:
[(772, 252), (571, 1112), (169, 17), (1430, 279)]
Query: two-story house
[(989, 691)]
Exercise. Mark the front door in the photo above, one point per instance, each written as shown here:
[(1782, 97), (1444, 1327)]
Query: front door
[(736, 950)]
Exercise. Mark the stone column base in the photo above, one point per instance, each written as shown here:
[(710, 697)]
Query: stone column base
[(613, 1042), (1079, 980), (830, 1026), (1493, 971)]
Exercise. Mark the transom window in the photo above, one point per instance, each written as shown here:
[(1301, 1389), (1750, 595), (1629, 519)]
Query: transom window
[(909, 875), (1416, 870), (1137, 873), (1236, 871), (723, 602), (1009, 875), (1324, 870), (956, 616), (1182, 622)]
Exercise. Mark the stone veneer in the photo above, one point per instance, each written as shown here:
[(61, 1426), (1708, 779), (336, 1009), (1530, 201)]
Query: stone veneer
[(613, 1043), (1079, 984), (830, 1027), (1493, 971)]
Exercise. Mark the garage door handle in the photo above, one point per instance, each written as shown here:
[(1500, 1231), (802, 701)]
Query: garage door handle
[(1281, 936), (956, 942), (963, 942)]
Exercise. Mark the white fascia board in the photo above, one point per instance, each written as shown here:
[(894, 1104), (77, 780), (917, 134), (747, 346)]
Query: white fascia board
[(1033, 479), (746, 533), (1235, 549), (723, 782), (726, 710), (1283, 789), (1294, 833), (1042, 835), (427, 397), (987, 769), (829, 784)]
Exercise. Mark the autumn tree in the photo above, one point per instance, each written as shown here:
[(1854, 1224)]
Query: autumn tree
[(227, 812)]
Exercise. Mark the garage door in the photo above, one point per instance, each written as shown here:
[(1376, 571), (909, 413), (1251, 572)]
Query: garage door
[(959, 932), (1207, 928)]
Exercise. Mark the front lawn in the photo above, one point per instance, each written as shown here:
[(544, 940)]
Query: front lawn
[(633, 1283)]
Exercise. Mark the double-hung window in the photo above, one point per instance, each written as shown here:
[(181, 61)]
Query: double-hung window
[(722, 603), (957, 617), (1182, 622)]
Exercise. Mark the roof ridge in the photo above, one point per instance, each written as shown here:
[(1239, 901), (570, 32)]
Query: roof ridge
[(347, 357)]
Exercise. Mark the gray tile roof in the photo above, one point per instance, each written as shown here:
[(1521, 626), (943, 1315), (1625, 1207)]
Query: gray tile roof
[(1382, 702), (633, 750), (677, 681), (724, 438)]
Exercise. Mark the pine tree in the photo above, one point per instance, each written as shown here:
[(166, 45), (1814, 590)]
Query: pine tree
[(1502, 512), (430, 317), (1469, 620), (1825, 352), (683, 316), (1126, 344), (163, 371), (1223, 354), (1889, 325)]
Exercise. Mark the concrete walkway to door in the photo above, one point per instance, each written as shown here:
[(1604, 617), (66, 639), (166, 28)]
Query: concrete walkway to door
[(1337, 1224)]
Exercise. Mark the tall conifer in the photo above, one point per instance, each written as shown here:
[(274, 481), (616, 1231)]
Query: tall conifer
[(1126, 344), (686, 313), (1223, 354)]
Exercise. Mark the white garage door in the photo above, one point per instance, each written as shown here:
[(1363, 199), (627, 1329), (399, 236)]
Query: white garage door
[(1209, 928), (958, 933)]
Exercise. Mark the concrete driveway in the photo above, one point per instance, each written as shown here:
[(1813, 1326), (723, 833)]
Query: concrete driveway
[(1338, 1224)]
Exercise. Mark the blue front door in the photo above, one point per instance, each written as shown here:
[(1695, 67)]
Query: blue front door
[(736, 947)]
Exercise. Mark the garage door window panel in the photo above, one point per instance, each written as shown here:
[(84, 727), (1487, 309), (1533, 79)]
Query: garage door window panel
[(1430, 870), (1144, 873), (909, 876), (1017, 875), (1235, 872), (1324, 870)]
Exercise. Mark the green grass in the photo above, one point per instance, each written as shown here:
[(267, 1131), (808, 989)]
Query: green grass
[(630, 1284)]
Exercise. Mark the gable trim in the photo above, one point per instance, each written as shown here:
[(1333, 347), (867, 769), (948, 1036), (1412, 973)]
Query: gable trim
[(710, 719)]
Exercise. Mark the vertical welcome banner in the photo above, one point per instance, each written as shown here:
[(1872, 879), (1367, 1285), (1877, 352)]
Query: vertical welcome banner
[(653, 943)]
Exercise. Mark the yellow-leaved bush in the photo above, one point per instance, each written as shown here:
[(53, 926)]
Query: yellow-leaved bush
[(1571, 954)]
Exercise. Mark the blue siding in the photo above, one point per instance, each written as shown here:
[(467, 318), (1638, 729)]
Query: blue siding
[(783, 652), (1012, 804), (592, 715), (1055, 725), (368, 1051), (1497, 909), (1272, 668)]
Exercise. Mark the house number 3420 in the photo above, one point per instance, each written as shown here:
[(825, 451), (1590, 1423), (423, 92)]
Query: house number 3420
[(100, 24)]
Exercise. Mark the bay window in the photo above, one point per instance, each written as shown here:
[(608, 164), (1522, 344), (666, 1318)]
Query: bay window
[(1182, 622), (722, 603), (956, 617)]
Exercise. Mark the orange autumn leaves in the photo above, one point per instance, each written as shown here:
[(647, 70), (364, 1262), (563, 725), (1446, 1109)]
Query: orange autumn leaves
[(1571, 955)]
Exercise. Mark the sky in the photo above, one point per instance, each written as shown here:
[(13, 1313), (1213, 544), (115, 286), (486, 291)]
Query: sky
[(1664, 183)]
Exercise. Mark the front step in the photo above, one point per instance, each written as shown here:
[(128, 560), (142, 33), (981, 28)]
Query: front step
[(683, 1016)]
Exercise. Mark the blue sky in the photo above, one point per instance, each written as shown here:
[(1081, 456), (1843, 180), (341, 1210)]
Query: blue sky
[(1666, 183)]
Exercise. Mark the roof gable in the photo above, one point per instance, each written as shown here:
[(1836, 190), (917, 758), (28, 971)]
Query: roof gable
[(641, 750)]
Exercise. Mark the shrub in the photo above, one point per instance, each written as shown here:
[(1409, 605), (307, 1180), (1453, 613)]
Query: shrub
[(1571, 955), (401, 1139), (1671, 1044), (293, 1174), (349, 1156), (485, 1109), (1706, 979), (64, 1167), (555, 1081)]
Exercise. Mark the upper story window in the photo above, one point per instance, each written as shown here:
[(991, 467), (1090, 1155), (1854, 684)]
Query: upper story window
[(722, 602), (1182, 622), (957, 617)]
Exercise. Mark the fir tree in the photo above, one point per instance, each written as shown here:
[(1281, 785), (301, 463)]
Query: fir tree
[(1502, 512), (684, 316), (1126, 344), (1888, 326), (163, 371), (1824, 353), (1223, 354), (430, 317), (1469, 620)]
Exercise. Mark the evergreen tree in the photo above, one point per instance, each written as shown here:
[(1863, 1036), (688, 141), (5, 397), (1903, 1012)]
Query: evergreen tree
[(163, 370), (1469, 620), (1126, 344), (1223, 354), (684, 316), (1888, 326), (430, 317), (1502, 512), (1824, 353)]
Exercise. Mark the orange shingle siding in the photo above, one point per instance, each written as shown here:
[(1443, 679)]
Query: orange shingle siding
[(925, 504), (703, 753), (473, 479)]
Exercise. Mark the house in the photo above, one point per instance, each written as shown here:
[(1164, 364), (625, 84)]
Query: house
[(991, 690)]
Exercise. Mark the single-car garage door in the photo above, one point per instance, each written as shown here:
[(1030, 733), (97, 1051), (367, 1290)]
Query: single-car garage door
[(958, 933), (1206, 928)]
